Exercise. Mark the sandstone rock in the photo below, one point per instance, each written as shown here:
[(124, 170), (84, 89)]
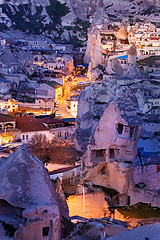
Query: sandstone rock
[(27, 195), (122, 33), (107, 131), (92, 104), (132, 50)]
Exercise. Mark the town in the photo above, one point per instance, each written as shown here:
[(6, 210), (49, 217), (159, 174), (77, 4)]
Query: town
[(91, 114)]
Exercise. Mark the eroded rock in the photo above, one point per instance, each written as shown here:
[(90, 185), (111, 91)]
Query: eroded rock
[(28, 200)]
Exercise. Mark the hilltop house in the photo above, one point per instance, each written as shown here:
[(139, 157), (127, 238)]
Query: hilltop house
[(60, 128), (72, 105), (8, 106), (111, 150), (60, 63), (48, 93), (8, 131)]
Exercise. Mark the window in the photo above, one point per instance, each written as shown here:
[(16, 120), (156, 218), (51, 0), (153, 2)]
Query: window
[(45, 231), (99, 153), (59, 134), (120, 128), (126, 129), (26, 136), (128, 152), (23, 137), (111, 153), (131, 131)]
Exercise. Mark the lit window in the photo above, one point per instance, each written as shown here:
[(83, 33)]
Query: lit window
[(158, 168)]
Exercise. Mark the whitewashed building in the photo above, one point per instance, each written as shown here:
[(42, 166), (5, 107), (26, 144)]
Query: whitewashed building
[(29, 127)]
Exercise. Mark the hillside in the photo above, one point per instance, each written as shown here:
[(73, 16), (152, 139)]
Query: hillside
[(68, 20)]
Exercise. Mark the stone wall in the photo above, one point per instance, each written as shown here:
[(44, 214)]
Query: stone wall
[(145, 196), (148, 175), (89, 205)]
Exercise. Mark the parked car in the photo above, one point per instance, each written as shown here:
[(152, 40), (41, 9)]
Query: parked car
[(58, 115)]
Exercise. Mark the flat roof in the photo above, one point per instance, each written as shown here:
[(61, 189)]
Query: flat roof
[(6, 118)]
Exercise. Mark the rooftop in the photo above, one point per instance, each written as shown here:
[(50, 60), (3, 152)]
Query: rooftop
[(6, 118), (49, 120), (54, 84), (29, 124)]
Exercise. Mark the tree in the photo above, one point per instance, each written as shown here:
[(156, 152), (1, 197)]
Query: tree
[(39, 146), (54, 151)]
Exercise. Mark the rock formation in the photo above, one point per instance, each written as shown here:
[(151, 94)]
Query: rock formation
[(28, 200), (147, 232), (39, 16), (122, 34), (93, 52), (132, 54), (107, 131), (92, 104)]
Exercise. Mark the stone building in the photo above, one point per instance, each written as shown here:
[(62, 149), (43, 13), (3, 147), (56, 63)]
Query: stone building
[(112, 150), (122, 35), (28, 201), (108, 140), (8, 131)]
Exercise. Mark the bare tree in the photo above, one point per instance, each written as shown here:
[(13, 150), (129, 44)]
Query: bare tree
[(39, 146), (54, 151)]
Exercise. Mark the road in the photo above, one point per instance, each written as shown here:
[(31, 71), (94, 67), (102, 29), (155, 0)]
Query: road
[(67, 92)]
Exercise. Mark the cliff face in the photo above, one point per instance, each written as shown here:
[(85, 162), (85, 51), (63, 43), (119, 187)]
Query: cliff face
[(91, 106), (68, 19), (28, 198)]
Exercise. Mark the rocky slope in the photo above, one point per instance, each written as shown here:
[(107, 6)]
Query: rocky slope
[(91, 106), (68, 19)]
